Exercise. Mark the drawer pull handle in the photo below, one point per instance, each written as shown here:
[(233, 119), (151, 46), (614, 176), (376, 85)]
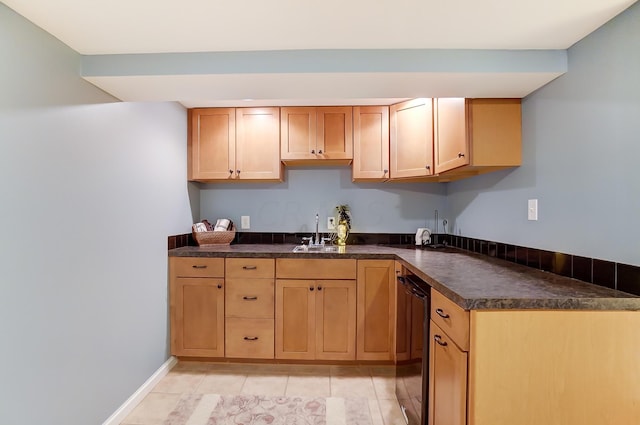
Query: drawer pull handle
[(439, 340), (249, 267), (441, 313), (196, 266), (250, 338), (250, 298)]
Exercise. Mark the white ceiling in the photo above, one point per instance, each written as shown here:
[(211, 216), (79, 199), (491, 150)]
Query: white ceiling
[(117, 27)]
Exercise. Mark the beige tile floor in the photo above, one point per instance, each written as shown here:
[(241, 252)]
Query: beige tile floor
[(375, 383)]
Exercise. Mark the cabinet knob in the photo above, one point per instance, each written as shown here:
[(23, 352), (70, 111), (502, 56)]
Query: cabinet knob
[(250, 338), (460, 155), (230, 172), (313, 151), (219, 286), (441, 313), (319, 288), (238, 171), (428, 167), (320, 151), (311, 288), (385, 171), (439, 340)]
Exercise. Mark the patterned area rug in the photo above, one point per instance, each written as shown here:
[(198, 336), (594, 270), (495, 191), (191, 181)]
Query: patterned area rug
[(214, 409)]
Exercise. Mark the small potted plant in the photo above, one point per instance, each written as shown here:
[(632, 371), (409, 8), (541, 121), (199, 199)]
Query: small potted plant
[(344, 223)]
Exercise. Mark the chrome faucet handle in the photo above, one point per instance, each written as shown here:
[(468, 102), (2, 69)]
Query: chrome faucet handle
[(325, 240), (307, 239)]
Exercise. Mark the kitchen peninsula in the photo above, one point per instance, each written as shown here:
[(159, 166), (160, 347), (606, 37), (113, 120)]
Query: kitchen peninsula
[(523, 346)]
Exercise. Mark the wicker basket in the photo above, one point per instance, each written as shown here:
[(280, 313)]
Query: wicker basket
[(215, 238)]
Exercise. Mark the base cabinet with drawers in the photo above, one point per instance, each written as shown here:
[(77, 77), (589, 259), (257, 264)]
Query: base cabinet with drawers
[(530, 367), (249, 312)]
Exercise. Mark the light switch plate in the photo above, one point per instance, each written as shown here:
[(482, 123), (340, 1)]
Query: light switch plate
[(245, 222), (532, 211)]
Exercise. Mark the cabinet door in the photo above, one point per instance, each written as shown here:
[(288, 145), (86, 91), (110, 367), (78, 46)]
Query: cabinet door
[(334, 137), (370, 143), (336, 320), (411, 138), (298, 133), (197, 313), (447, 380), (212, 138), (376, 306), (451, 144), (295, 319), (258, 144)]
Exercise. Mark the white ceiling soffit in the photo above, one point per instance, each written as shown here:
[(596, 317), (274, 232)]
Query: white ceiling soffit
[(156, 26), (323, 77), (317, 89)]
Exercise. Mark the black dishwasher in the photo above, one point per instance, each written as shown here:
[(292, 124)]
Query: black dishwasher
[(412, 348)]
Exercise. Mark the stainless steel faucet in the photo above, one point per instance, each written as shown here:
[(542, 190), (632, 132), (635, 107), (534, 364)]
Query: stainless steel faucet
[(317, 241)]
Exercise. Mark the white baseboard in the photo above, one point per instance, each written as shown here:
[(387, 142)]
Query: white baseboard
[(128, 406)]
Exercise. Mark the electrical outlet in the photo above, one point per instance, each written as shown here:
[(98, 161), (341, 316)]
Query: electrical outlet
[(532, 212), (331, 223), (245, 222)]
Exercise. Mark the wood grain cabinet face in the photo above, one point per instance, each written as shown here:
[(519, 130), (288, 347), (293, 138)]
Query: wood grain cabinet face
[(196, 307), (212, 143), (473, 136), (316, 134), (315, 309), (231, 144), (376, 310), (370, 143), (447, 380), (249, 308), (411, 138)]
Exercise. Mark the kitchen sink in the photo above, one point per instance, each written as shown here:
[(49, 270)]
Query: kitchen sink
[(315, 248)]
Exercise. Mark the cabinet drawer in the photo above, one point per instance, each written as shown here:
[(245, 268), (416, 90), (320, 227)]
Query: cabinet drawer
[(196, 267), (250, 267), (249, 338), (250, 298), (451, 318), (315, 269)]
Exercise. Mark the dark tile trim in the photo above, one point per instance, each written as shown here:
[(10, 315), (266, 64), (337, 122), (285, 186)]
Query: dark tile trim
[(619, 276)]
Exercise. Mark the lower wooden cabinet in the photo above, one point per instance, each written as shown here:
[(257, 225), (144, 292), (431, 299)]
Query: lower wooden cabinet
[(376, 310), (196, 305), (315, 319), (197, 317), (447, 380)]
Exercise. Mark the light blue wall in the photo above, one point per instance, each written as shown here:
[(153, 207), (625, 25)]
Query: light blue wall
[(90, 189), (581, 147), (291, 206)]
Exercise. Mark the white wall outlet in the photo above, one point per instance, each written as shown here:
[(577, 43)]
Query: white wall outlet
[(245, 222), (532, 210), (331, 223)]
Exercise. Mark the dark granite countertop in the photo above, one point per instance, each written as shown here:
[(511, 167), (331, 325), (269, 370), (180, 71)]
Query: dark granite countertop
[(471, 280)]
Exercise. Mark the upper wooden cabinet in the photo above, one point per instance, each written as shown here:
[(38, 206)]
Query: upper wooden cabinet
[(411, 139), (316, 135), (231, 144), (473, 136), (370, 143)]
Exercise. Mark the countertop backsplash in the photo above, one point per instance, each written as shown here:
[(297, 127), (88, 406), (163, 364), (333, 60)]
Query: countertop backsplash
[(623, 277)]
